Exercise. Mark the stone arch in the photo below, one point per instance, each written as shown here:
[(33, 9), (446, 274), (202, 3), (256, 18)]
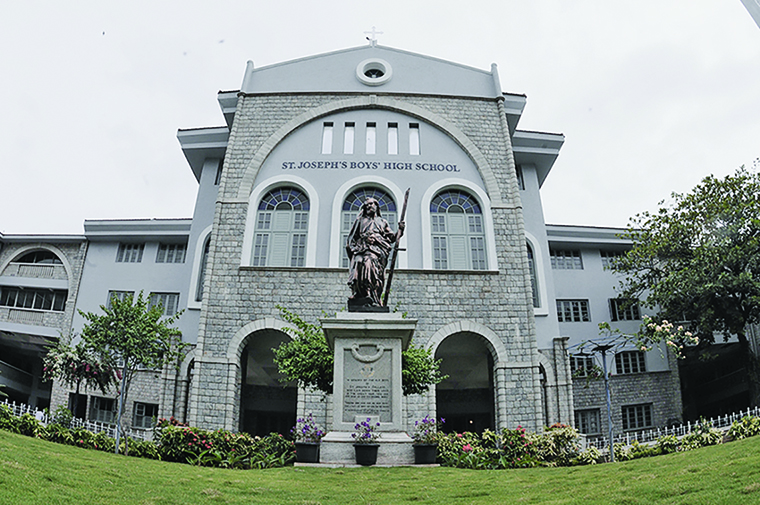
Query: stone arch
[(377, 102), (495, 345), (238, 342), (49, 247), (551, 376)]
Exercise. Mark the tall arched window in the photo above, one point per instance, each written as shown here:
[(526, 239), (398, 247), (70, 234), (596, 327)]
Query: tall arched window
[(281, 225), (459, 241), (202, 271), (350, 210), (533, 276)]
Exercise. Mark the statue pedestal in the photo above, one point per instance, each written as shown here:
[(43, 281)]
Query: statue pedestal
[(367, 384)]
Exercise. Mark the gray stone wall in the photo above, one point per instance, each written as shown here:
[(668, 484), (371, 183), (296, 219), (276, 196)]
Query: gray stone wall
[(499, 301)]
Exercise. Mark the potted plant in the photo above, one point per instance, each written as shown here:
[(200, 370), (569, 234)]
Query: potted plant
[(426, 440), (307, 437), (365, 442)]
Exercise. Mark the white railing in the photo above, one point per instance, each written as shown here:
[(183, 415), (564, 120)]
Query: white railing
[(18, 409), (651, 435), (39, 271)]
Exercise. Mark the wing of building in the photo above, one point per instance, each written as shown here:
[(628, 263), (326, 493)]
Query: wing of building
[(499, 295)]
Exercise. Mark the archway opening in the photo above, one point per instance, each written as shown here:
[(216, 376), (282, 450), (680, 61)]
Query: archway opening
[(466, 399), (266, 404)]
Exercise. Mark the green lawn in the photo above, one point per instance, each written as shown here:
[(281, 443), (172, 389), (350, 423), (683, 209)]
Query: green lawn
[(38, 472)]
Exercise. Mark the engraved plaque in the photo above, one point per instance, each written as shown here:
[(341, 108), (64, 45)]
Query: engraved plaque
[(367, 390)]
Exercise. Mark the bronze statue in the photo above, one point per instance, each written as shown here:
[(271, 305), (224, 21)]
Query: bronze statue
[(369, 244)]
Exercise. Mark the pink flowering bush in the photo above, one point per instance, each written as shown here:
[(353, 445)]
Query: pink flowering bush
[(675, 337), (487, 451)]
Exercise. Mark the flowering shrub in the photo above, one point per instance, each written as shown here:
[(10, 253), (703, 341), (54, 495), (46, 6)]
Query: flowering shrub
[(747, 426), (675, 337), (365, 432), (487, 451), (306, 430), (557, 446), (426, 430)]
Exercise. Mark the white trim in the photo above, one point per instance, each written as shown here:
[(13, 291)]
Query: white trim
[(485, 204), (538, 263), (374, 64), (192, 303), (336, 247), (250, 222)]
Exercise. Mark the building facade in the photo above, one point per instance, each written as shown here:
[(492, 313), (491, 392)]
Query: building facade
[(499, 296)]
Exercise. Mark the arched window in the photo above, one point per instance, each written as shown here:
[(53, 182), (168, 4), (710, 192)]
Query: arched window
[(533, 276), (202, 271), (40, 257), (350, 210), (459, 241), (282, 222)]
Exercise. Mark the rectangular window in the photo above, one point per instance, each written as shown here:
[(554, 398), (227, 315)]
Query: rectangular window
[(34, 298), (130, 253), (573, 311), (533, 277), (371, 138), (637, 417), (520, 179), (622, 309), (478, 252), (566, 260), (260, 245), (392, 138), (120, 295), (169, 301), (301, 221), (475, 223), (414, 139), (348, 138), (171, 253), (298, 252), (264, 221), (627, 362), (440, 254), (102, 410), (608, 258), (580, 365), (144, 414), (327, 138), (587, 421)]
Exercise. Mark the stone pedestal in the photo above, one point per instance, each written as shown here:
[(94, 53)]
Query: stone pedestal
[(367, 384)]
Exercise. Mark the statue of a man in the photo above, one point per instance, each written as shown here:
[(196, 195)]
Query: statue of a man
[(368, 246)]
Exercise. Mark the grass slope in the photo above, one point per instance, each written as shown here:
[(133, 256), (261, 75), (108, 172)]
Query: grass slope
[(37, 472)]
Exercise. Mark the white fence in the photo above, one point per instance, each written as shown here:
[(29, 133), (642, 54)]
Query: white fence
[(650, 435), (95, 427)]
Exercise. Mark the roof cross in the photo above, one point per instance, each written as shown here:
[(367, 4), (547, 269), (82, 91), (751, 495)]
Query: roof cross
[(373, 40)]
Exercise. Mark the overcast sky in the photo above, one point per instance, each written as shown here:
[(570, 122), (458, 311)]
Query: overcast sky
[(651, 95)]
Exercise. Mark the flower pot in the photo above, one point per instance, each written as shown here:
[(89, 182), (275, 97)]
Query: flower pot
[(307, 452), (425, 454), (366, 454)]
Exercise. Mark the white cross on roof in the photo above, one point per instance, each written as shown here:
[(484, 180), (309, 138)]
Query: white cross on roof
[(373, 38)]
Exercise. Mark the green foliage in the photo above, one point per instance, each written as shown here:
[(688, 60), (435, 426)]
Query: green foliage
[(426, 430), (307, 430), (487, 451), (667, 444), (698, 258), (557, 445), (747, 426), (702, 435), (419, 370), (28, 425), (62, 416), (7, 419), (589, 456), (308, 360), (77, 365)]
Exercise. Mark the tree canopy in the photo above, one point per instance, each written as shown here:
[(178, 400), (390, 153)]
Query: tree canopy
[(697, 259)]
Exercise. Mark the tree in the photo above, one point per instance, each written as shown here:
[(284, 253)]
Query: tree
[(308, 360), (78, 364), (138, 334), (696, 261)]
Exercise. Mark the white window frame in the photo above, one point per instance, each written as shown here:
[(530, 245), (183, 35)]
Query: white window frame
[(130, 252), (170, 302), (566, 259), (171, 253), (622, 309), (98, 413), (200, 243), (630, 362), (582, 304), (635, 412), (140, 415), (586, 418)]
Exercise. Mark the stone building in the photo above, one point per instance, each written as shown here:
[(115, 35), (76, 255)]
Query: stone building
[(498, 294)]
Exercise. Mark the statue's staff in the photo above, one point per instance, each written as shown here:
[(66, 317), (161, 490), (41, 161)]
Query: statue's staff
[(399, 233)]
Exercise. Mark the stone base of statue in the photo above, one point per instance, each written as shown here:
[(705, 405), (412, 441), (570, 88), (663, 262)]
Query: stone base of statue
[(365, 304), (367, 384)]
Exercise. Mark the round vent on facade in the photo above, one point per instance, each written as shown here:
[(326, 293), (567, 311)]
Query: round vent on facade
[(374, 72)]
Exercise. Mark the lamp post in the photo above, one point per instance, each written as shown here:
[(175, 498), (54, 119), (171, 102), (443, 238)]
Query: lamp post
[(602, 349)]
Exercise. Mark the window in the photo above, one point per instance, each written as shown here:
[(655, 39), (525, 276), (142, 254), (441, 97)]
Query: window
[(281, 226), (630, 362), (573, 311), (520, 179), (202, 273), (144, 414), (533, 276), (218, 177), (351, 206), (171, 253), (327, 138), (414, 139), (169, 301), (34, 298), (392, 138), (637, 417), (40, 257), (622, 309), (120, 295), (608, 258), (566, 260), (587, 421), (102, 410), (130, 253), (580, 365), (371, 138), (457, 232), (348, 138)]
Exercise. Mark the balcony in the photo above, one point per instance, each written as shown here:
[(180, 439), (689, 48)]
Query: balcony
[(36, 271)]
